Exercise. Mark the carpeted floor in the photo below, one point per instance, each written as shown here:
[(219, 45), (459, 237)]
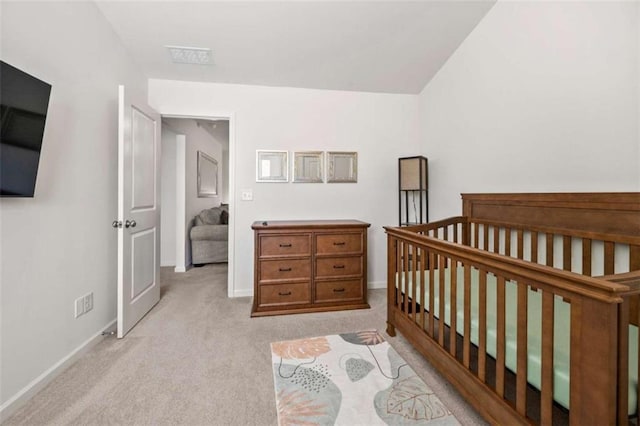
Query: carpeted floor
[(199, 359)]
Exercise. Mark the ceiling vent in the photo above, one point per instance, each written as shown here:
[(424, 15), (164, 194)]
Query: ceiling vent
[(190, 55)]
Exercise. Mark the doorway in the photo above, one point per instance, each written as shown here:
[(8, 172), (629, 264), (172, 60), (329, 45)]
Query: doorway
[(186, 142)]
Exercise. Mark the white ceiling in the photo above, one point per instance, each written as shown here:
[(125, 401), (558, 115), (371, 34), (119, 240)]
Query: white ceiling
[(370, 46)]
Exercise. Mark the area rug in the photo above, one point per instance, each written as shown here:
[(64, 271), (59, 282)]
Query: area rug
[(350, 379)]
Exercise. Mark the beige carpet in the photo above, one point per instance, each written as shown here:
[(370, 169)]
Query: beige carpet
[(199, 359)]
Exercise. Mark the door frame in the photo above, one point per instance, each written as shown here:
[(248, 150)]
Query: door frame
[(224, 115), (181, 203)]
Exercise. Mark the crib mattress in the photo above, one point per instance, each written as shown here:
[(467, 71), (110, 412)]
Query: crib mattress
[(561, 338)]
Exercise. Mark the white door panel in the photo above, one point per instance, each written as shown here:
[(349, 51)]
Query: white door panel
[(143, 161), (142, 259), (138, 210)]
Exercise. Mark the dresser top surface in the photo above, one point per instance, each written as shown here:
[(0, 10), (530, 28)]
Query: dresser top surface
[(317, 224)]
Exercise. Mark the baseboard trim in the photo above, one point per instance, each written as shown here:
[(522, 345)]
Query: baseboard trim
[(183, 268), (373, 285), (14, 403), (243, 293)]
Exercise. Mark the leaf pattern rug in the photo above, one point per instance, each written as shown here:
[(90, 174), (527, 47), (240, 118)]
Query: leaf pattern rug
[(350, 379)]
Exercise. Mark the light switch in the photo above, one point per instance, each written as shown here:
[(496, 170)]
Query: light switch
[(247, 195)]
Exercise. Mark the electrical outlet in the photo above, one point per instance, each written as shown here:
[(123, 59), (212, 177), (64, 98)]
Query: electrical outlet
[(88, 302), (246, 195), (79, 306)]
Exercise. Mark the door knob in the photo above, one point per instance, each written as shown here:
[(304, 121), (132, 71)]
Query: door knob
[(117, 224), (129, 223)]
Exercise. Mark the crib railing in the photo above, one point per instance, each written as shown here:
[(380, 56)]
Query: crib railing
[(599, 254), (598, 316)]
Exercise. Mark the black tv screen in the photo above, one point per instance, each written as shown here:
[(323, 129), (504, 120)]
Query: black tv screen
[(23, 111)]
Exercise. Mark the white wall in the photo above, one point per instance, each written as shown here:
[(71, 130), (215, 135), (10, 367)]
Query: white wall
[(542, 96), (197, 139), (60, 245), (168, 198), (381, 127)]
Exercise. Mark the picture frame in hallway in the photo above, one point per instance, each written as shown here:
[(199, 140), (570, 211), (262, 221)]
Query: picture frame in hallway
[(272, 166), (207, 176)]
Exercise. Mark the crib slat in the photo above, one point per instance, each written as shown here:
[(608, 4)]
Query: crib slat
[(414, 264), (496, 239), (399, 275), (634, 258), (482, 326), (546, 398), (637, 314), (549, 250), (465, 228), (445, 235), (392, 282), (521, 368), (534, 246), (485, 237), (634, 265), (466, 346), (442, 295), (455, 233), (405, 286), (566, 253), (623, 361), (609, 254), (423, 263), (476, 235), (501, 338), (520, 244), (586, 257), (453, 303), (432, 263), (507, 241)]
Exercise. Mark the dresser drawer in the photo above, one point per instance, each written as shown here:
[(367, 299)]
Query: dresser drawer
[(338, 267), (285, 269), (339, 243), (284, 245), (338, 291), (284, 294)]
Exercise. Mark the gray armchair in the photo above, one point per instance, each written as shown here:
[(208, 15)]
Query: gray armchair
[(209, 236)]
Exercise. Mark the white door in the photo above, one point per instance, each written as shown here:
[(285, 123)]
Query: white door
[(138, 210)]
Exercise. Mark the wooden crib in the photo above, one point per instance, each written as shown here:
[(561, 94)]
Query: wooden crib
[(527, 304)]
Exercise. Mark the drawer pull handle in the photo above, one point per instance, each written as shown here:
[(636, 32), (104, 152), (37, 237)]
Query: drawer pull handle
[(338, 290), (338, 266), (284, 294), (284, 269), (339, 243), (285, 245)]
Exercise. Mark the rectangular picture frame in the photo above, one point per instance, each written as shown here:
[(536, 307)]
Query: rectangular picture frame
[(272, 166), (207, 176), (342, 167), (308, 167)]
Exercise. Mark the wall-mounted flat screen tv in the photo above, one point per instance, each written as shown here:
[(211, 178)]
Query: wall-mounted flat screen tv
[(23, 111)]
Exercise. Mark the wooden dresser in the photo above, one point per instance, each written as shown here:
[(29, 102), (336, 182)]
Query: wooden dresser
[(309, 266)]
